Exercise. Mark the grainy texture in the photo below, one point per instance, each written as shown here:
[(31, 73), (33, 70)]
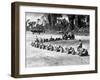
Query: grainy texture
[(36, 57)]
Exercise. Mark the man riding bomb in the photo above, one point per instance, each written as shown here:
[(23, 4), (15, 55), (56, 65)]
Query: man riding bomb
[(82, 51), (71, 51), (37, 40), (61, 49)]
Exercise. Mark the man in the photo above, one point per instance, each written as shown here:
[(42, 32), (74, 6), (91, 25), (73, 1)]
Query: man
[(80, 45), (57, 49), (37, 40), (83, 52), (51, 39), (41, 40), (61, 49), (44, 46), (65, 36), (32, 44), (71, 51)]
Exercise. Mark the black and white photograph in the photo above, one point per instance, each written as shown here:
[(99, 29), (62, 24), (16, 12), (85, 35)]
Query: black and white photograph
[(52, 39), (57, 39)]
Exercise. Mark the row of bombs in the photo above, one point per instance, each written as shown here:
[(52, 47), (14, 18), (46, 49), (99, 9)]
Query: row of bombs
[(71, 50), (48, 40), (53, 48)]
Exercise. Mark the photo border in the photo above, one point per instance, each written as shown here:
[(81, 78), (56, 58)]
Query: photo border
[(15, 32)]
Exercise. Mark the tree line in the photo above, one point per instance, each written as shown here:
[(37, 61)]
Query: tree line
[(59, 23)]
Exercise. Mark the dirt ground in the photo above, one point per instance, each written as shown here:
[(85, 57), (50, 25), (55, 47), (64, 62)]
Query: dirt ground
[(36, 57)]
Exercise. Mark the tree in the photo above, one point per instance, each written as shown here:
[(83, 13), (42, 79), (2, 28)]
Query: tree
[(52, 18)]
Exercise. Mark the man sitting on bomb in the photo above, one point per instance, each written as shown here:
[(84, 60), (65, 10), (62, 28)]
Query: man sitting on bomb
[(61, 49), (44, 46), (50, 47), (58, 49), (33, 44), (83, 52), (37, 40), (51, 39), (71, 51)]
